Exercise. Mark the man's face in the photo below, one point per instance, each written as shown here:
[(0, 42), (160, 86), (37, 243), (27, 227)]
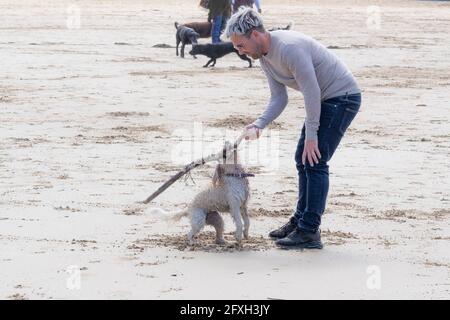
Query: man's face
[(249, 46)]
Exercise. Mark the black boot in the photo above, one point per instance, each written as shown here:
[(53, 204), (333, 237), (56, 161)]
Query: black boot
[(301, 239), (283, 231)]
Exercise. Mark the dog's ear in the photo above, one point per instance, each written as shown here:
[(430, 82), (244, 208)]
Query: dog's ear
[(217, 177)]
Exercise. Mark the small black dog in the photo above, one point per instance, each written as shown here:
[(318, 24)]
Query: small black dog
[(185, 35), (215, 51)]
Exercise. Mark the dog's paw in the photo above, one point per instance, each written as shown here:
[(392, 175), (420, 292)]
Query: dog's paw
[(221, 242)]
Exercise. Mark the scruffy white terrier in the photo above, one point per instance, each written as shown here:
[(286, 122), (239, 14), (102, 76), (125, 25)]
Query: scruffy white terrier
[(228, 192)]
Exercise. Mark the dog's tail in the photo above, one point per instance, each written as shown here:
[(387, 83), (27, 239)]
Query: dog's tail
[(176, 25), (168, 216)]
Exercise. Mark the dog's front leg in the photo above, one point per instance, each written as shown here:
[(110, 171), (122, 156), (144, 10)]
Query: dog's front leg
[(193, 44), (246, 221), (236, 214)]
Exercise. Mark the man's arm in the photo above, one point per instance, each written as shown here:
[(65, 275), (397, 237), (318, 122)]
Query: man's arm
[(277, 103), (300, 64)]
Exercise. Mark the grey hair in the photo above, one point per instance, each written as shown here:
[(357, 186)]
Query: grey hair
[(243, 22)]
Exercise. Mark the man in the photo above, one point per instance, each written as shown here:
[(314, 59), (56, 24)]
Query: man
[(219, 12), (332, 99)]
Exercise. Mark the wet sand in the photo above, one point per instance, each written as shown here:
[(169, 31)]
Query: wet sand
[(92, 118)]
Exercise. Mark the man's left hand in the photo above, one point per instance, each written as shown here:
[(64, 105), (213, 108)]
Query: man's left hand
[(311, 152)]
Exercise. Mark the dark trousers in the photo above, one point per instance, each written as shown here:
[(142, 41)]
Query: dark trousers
[(335, 117), (218, 24)]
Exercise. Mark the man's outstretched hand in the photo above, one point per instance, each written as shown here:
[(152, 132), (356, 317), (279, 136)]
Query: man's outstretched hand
[(311, 152), (252, 132)]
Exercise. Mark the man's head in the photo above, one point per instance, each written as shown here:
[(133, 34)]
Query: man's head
[(246, 30)]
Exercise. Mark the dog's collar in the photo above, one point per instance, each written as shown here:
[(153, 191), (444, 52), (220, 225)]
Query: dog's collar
[(240, 175)]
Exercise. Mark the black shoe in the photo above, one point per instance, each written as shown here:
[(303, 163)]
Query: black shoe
[(301, 239), (283, 231)]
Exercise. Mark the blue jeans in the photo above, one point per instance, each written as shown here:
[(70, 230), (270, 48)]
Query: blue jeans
[(218, 24), (335, 117)]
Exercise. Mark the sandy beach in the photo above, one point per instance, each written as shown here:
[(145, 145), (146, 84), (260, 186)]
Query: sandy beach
[(97, 111)]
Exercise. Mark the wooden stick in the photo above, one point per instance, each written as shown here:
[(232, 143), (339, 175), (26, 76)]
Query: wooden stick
[(194, 164)]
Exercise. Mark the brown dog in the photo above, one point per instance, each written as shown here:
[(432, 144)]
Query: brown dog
[(202, 28)]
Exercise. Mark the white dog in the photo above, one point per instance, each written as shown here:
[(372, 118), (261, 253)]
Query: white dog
[(228, 192)]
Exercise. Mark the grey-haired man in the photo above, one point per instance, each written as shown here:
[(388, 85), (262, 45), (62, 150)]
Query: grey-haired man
[(332, 99)]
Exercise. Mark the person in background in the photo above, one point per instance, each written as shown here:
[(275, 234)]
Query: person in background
[(258, 5), (219, 12)]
